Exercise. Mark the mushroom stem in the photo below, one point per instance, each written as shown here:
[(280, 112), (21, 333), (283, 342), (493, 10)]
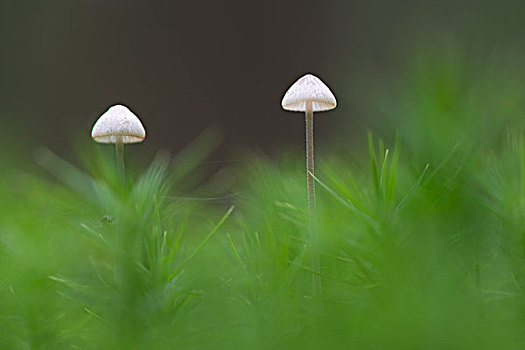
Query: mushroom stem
[(310, 155), (316, 264), (119, 150)]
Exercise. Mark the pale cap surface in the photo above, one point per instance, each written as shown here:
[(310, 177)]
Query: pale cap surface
[(309, 88), (118, 124)]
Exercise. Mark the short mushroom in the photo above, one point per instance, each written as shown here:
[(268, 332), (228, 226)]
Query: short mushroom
[(309, 94), (118, 125)]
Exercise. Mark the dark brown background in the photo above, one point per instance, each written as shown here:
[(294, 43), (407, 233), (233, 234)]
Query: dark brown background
[(185, 65)]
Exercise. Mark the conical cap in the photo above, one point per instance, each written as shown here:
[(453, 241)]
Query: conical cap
[(309, 88), (118, 124)]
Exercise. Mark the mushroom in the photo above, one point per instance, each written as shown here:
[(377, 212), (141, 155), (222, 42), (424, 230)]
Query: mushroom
[(118, 125), (309, 94)]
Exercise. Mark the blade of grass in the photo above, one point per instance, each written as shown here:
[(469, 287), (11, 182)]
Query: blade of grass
[(203, 243), (345, 203), (411, 192), (235, 252), (371, 150)]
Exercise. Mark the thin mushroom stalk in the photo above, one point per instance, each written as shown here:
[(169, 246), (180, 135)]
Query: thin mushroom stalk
[(310, 183), (119, 152), (309, 123), (309, 94)]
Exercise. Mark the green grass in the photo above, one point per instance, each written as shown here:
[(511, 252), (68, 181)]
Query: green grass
[(413, 255), (422, 240)]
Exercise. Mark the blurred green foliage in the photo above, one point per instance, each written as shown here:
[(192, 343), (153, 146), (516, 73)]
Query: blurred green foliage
[(422, 238)]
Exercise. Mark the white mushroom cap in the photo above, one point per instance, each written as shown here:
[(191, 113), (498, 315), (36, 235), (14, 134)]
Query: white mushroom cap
[(118, 124), (309, 88)]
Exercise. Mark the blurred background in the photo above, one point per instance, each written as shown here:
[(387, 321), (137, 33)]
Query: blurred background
[(422, 245), (183, 66)]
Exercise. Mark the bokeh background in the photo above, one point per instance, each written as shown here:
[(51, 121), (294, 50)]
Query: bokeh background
[(421, 227), (183, 66)]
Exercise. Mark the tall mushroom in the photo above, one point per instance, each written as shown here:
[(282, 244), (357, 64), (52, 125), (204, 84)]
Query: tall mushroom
[(118, 125), (309, 94)]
